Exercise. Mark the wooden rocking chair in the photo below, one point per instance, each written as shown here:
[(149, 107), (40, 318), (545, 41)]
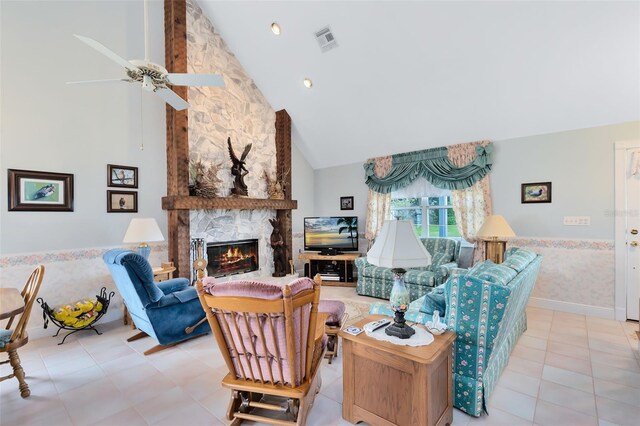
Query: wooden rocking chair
[(19, 336), (268, 337)]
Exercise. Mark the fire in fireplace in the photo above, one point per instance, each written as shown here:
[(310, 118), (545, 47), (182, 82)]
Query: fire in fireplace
[(232, 257)]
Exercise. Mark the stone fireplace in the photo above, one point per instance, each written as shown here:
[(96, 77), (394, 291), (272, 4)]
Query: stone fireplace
[(232, 257)]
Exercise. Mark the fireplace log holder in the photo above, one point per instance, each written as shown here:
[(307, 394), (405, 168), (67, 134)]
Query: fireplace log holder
[(48, 315)]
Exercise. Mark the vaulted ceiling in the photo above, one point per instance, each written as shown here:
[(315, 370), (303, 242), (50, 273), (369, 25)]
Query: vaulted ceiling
[(415, 75)]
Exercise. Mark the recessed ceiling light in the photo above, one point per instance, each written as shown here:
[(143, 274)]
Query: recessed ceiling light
[(275, 28), (307, 83)]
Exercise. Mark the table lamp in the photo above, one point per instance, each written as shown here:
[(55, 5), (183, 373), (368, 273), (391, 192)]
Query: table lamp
[(494, 230), (143, 231), (397, 246)]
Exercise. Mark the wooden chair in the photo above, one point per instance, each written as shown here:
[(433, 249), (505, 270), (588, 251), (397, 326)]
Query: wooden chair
[(19, 336), (268, 337)]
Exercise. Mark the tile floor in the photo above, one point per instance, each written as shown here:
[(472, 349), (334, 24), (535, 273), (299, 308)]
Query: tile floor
[(566, 370)]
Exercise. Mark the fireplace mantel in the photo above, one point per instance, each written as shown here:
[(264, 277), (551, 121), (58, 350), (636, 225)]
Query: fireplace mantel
[(182, 202)]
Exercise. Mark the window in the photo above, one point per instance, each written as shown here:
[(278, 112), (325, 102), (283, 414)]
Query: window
[(432, 216)]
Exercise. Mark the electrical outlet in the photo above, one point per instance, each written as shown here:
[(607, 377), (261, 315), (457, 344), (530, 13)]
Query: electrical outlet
[(576, 221)]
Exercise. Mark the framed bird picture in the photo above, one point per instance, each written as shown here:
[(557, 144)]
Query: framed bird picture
[(538, 192), (31, 190), (122, 202), (122, 176)]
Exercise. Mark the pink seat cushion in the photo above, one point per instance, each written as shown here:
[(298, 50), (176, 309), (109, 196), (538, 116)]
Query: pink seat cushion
[(334, 308)]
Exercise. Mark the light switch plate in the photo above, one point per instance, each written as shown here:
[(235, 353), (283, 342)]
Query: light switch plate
[(577, 220)]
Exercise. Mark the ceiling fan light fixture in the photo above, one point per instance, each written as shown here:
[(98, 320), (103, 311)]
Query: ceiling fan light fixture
[(147, 83), (307, 83), (275, 28)]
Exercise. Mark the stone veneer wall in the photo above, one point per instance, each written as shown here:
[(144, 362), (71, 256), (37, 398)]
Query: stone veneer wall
[(240, 111)]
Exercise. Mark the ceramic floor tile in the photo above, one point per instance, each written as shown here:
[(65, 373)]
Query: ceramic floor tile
[(324, 412), (617, 329), (617, 375), (196, 414), (578, 365), (519, 382), (94, 401), (540, 333), (333, 390), (608, 338), (570, 339), (617, 412), (74, 380), (582, 402), (217, 403), (568, 378), (128, 417), (163, 404), (533, 342), (571, 330), (624, 363), (553, 415), (496, 417), (617, 392), (568, 350), (606, 423), (524, 366), (129, 361), (535, 355), (512, 402), (612, 348), (148, 389)]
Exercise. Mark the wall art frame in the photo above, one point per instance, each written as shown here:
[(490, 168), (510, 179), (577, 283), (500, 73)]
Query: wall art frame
[(122, 176), (122, 201), (346, 203), (31, 190), (535, 192)]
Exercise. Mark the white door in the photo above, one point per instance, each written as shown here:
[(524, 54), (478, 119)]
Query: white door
[(628, 225)]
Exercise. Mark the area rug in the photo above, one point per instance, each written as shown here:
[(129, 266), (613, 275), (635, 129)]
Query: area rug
[(355, 310)]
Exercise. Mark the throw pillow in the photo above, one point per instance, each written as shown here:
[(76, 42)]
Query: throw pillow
[(489, 271), (519, 259), (434, 301)]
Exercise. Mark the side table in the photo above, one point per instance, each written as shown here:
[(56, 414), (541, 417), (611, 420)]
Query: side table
[(160, 273), (388, 384)]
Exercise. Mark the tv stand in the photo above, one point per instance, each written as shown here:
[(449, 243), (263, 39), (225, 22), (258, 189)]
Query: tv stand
[(336, 270), (329, 252)]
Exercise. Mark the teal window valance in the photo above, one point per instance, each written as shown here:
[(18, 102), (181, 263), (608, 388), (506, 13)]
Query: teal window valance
[(433, 165)]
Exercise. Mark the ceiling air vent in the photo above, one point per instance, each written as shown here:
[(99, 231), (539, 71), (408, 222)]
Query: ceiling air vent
[(326, 39)]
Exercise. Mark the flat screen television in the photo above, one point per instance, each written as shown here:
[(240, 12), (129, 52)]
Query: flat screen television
[(331, 235)]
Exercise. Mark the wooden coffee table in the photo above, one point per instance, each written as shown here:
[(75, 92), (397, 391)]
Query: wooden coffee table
[(388, 384)]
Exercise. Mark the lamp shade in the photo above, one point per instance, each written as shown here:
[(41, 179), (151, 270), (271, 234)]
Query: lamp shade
[(398, 246), (495, 226), (143, 230)]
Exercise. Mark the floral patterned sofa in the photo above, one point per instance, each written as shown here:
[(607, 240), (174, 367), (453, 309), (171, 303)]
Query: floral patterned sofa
[(486, 309), (377, 281)]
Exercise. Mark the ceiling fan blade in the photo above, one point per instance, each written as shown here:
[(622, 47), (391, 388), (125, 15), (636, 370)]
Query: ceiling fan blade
[(107, 52), (181, 79), (172, 98), (111, 80)]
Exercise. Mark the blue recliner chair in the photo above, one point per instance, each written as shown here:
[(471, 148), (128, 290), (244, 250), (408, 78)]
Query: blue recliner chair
[(169, 311)]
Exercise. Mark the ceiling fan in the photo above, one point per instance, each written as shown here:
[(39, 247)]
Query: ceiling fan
[(153, 77)]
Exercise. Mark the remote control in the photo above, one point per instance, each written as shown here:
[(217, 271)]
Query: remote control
[(373, 326)]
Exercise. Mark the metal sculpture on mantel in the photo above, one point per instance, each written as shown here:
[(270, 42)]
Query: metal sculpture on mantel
[(238, 170)]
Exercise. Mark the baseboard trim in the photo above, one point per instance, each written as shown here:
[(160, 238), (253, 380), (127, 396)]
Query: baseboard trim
[(573, 308)]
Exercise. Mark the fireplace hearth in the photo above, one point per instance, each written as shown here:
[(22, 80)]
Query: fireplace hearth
[(232, 257)]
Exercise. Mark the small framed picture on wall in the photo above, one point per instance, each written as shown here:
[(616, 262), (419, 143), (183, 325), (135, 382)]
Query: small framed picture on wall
[(346, 203), (31, 190), (537, 192), (122, 176), (122, 202)]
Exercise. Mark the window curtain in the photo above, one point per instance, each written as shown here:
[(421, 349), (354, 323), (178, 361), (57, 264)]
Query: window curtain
[(378, 204), (471, 205), (432, 164)]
